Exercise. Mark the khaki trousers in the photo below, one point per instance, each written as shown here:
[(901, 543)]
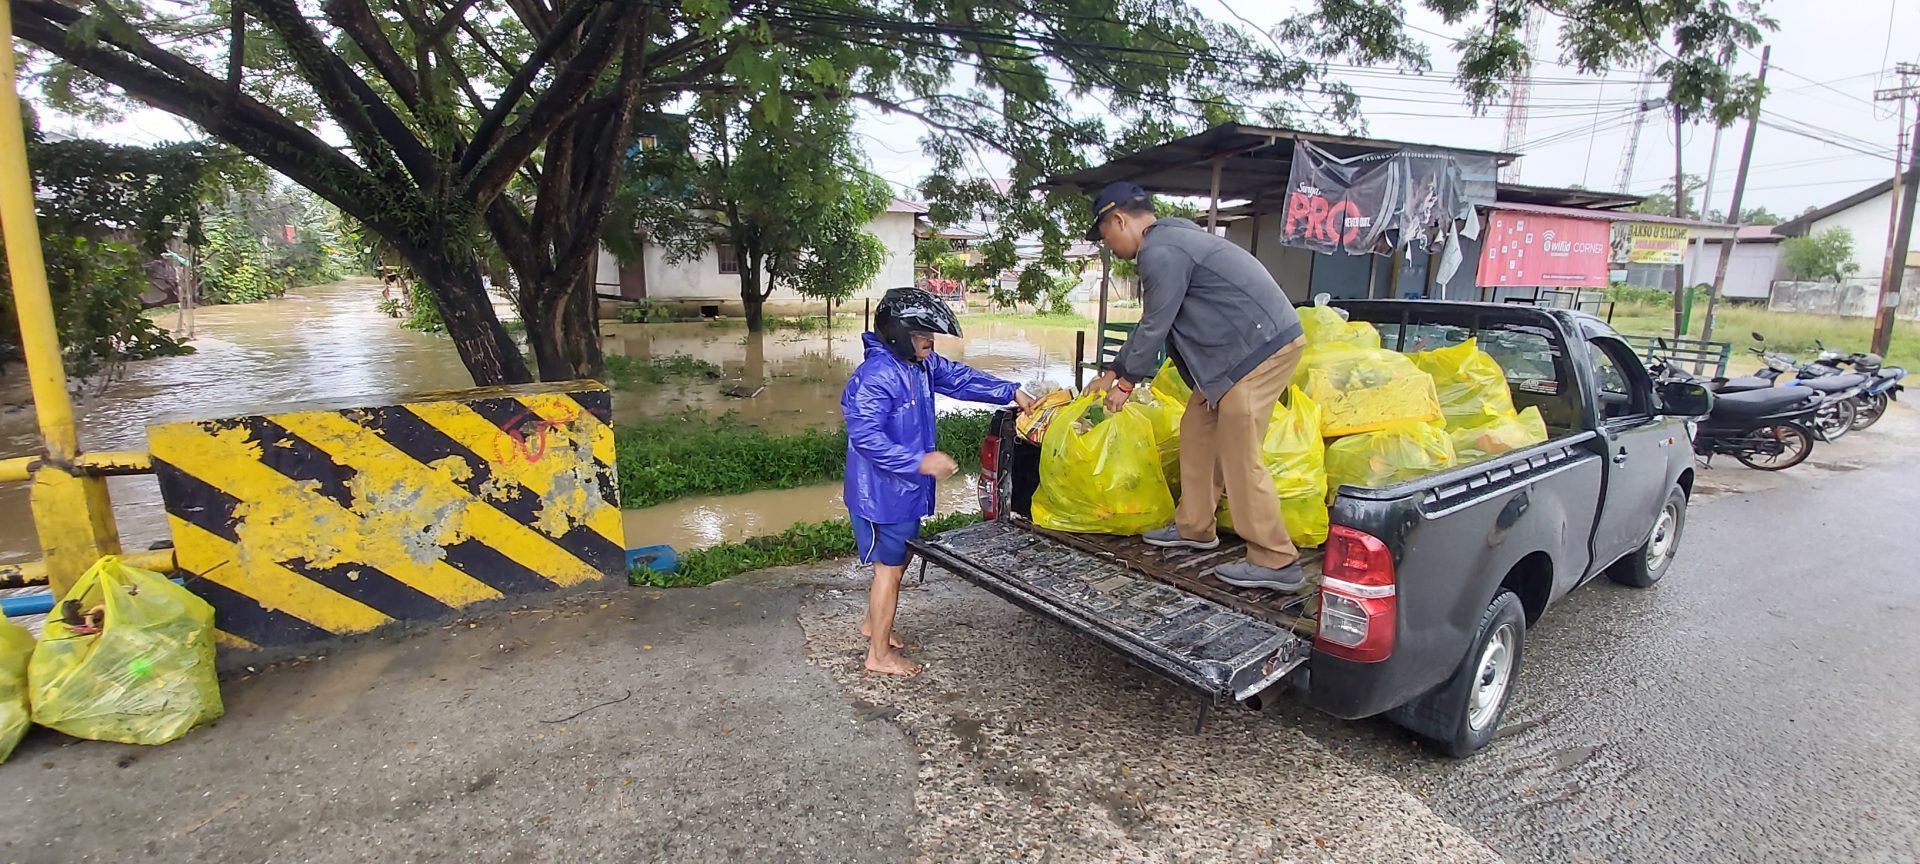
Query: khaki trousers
[(1220, 447)]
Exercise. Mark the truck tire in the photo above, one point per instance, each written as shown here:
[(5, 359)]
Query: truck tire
[(1461, 716), (1644, 566)]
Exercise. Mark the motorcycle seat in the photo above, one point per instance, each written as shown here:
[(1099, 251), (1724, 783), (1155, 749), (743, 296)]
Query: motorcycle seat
[(1759, 403), (1833, 383), (1741, 384)]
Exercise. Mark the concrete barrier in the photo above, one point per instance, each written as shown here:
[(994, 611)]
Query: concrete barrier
[(319, 520), (1854, 298)]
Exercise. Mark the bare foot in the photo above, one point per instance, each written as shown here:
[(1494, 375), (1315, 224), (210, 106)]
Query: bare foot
[(894, 638), (891, 663)]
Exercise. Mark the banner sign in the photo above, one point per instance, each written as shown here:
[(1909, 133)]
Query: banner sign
[(1656, 244), (1524, 250), (1350, 205)]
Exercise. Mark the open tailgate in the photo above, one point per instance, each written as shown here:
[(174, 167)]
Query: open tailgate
[(1217, 651)]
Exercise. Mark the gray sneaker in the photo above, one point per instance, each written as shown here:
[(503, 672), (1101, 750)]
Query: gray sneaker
[(1245, 575), (1169, 538)]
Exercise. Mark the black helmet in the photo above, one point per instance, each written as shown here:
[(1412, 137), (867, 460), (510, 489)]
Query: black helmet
[(906, 311)]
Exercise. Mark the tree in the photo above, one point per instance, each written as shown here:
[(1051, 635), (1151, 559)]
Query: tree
[(778, 182), (1825, 255), (497, 129)]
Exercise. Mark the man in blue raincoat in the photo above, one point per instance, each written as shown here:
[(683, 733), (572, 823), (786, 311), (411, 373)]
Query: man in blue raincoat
[(892, 462)]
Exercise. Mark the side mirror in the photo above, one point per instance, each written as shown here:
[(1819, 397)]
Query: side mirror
[(1684, 399)]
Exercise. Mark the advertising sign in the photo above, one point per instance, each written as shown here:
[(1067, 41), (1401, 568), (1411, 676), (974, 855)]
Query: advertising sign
[(1656, 244), (1404, 196), (1524, 250)]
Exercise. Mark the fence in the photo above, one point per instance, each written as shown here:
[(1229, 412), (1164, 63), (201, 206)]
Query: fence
[(1853, 298)]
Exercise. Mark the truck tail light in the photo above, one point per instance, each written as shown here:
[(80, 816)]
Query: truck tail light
[(988, 485), (1358, 598)]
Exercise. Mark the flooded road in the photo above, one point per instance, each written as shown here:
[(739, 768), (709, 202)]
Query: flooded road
[(328, 342)]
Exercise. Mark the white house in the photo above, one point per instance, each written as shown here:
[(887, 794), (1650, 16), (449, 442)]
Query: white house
[(1866, 215), (1751, 272), (713, 279)]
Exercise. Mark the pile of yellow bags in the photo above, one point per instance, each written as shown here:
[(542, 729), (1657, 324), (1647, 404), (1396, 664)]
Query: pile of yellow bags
[(1396, 454), (1295, 455), (1166, 404), (1478, 404), (1326, 326), (1105, 481), (16, 646), (1365, 389)]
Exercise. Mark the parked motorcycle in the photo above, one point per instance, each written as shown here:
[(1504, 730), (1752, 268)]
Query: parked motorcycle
[(1883, 384), (1766, 428), (1840, 390)]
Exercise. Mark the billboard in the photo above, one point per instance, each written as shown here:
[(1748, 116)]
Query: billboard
[(1525, 250), (1656, 244)]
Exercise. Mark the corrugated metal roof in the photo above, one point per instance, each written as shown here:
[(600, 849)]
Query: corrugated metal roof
[(1705, 228)]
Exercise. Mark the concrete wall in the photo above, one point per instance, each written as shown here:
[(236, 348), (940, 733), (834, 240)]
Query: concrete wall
[(1868, 222), (1750, 274), (1855, 297)]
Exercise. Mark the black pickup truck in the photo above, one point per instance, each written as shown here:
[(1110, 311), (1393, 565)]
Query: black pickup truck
[(1424, 590)]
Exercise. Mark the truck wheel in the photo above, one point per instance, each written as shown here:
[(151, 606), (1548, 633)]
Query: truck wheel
[(1645, 565), (1461, 716)]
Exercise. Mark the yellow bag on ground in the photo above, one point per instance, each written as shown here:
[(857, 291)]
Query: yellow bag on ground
[(1472, 388), (1396, 454), (1324, 325), (1365, 389), (1294, 454), (1497, 436), (16, 646), (138, 669), (1105, 481)]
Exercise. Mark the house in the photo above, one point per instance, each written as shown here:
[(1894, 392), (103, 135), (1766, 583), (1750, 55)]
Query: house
[(1867, 215), (711, 282), (1751, 273)]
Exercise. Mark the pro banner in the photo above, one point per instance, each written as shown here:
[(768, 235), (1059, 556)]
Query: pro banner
[(1525, 250), (1404, 197)]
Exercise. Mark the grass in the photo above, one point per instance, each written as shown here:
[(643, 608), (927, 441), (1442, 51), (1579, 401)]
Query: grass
[(804, 543), (628, 372), (1069, 321), (1792, 332), (662, 460)]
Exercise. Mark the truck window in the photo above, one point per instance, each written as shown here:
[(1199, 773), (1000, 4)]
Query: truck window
[(1530, 356), (1617, 371)]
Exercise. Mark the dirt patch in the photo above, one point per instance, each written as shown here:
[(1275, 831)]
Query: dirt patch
[(1036, 745)]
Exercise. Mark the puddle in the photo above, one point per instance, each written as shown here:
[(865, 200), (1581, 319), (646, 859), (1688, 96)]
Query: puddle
[(691, 523)]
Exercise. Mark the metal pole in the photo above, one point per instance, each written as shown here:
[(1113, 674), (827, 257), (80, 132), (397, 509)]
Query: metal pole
[(1890, 289), (1692, 267), (1079, 359), (1679, 211), (866, 317), (1213, 209), (70, 513), (1100, 319), (1739, 189)]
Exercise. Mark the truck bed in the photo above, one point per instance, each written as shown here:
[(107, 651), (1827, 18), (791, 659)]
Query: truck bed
[(1161, 608)]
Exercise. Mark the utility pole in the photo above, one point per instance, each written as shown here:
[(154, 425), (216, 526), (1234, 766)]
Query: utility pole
[(1896, 265), (1739, 188), (1679, 212), (1692, 270)]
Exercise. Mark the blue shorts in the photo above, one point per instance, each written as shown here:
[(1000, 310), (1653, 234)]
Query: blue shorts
[(883, 542)]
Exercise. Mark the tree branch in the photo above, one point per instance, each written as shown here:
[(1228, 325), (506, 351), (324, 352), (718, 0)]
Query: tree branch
[(554, 106), (523, 78), (236, 52), (449, 20), (357, 21)]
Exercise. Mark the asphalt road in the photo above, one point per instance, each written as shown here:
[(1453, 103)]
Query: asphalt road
[(1762, 703)]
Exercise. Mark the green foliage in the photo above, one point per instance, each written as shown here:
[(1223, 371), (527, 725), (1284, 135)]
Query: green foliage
[(637, 312), (389, 307), (95, 287), (805, 543), (234, 267), (630, 372), (661, 460), (1631, 300), (1823, 256), (425, 315)]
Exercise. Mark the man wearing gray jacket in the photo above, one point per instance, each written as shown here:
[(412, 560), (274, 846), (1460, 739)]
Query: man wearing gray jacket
[(1236, 339)]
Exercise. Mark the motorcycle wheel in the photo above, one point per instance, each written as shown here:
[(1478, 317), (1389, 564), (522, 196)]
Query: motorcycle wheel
[(1872, 407), (1794, 441), (1835, 419)]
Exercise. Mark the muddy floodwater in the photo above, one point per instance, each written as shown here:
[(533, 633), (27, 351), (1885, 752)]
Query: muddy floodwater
[(327, 342)]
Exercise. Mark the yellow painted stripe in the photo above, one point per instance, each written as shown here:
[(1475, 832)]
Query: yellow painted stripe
[(300, 518), (383, 466), (271, 585), (560, 408), (476, 433)]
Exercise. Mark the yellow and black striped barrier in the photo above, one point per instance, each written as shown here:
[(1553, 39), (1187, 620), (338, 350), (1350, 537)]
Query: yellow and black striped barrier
[(318, 520)]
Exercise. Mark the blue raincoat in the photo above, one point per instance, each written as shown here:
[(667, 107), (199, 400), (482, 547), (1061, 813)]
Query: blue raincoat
[(888, 406)]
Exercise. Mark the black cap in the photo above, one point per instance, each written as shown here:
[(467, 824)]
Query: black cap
[(1117, 193)]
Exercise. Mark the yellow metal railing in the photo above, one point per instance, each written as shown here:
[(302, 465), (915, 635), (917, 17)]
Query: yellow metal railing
[(71, 512)]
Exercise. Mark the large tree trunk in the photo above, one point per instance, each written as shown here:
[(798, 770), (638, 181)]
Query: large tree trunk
[(752, 299), (566, 344), (485, 347)]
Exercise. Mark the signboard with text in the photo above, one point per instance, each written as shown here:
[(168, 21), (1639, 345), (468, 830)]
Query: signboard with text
[(1656, 244), (1524, 250)]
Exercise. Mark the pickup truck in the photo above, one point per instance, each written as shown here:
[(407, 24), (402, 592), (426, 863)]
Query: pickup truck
[(1420, 600)]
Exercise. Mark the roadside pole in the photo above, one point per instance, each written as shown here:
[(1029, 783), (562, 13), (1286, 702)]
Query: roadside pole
[(1739, 188), (71, 513), (1680, 295), (1896, 266)]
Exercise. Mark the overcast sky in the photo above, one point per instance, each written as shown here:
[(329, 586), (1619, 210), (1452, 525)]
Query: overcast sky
[(1828, 58)]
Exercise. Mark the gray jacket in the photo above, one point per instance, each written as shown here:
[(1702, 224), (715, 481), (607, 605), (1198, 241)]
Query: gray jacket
[(1215, 301)]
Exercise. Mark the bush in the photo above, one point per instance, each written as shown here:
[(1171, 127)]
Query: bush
[(625, 371), (804, 543), (235, 267), (1826, 256), (662, 460)]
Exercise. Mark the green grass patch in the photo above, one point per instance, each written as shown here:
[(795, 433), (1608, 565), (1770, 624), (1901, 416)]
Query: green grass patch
[(691, 454), (805, 543), (635, 371), (1070, 321), (1792, 332)]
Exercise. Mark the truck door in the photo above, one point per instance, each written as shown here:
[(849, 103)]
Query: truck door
[(1637, 449)]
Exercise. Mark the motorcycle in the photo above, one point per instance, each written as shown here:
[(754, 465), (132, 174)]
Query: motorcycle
[(1883, 384), (1766, 428), (1840, 391)]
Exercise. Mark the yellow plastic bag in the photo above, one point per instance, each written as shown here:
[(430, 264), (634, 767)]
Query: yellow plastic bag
[(142, 675), (1106, 481), (16, 646), (1472, 388), (1365, 389), (1399, 453), (1325, 326), (1032, 423), (1168, 388), (1166, 404), (1497, 436), (1296, 457)]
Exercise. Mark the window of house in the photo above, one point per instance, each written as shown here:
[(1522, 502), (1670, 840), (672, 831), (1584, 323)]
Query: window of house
[(729, 257)]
